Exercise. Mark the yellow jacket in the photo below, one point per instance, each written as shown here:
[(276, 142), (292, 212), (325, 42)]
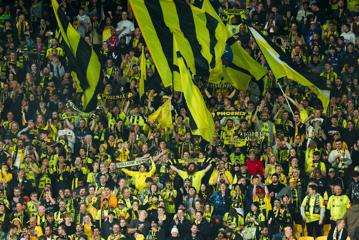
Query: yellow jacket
[(140, 177)]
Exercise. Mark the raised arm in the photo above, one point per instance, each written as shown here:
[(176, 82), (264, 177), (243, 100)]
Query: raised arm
[(207, 93), (277, 114), (125, 110), (69, 124), (22, 131), (230, 96), (93, 124), (23, 117), (297, 105), (153, 168), (128, 172), (174, 169), (254, 193), (254, 117), (207, 168), (266, 190), (155, 158)]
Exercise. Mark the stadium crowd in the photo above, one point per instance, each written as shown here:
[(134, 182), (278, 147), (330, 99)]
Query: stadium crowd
[(271, 172)]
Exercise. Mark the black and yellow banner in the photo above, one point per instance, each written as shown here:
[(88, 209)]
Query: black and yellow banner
[(200, 33), (82, 58), (229, 114), (282, 66), (240, 68), (201, 120)]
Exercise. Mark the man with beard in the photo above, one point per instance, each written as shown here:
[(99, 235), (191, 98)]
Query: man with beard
[(275, 187), (192, 174), (49, 233), (265, 126)]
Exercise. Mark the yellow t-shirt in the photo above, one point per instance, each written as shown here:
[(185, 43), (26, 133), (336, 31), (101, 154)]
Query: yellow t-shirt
[(338, 206), (140, 177), (196, 178)]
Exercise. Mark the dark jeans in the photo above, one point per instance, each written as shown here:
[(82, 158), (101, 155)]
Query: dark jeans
[(314, 229)]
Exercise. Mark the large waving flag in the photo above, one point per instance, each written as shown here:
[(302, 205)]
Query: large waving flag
[(240, 68), (202, 39), (282, 66), (199, 31), (82, 58), (201, 120)]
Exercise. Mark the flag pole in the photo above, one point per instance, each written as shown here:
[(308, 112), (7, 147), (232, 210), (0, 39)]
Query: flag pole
[(286, 99)]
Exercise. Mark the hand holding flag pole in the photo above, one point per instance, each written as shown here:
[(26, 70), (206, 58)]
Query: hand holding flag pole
[(286, 98)]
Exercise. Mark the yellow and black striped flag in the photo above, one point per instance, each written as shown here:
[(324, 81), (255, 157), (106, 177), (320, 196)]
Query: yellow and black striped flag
[(281, 65), (71, 62), (200, 33), (201, 120), (239, 67), (82, 59)]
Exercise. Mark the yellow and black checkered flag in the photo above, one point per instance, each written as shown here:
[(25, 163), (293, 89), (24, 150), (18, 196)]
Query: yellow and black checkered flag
[(82, 59)]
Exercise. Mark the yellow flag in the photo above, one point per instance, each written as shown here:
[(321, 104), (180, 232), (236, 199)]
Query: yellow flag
[(82, 59), (201, 120), (200, 33), (162, 115), (143, 72), (106, 33), (282, 66), (241, 67)]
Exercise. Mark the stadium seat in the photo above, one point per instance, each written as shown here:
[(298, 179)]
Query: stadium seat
[(306, 238), (297, 230), (322, 238), (326, 229)]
